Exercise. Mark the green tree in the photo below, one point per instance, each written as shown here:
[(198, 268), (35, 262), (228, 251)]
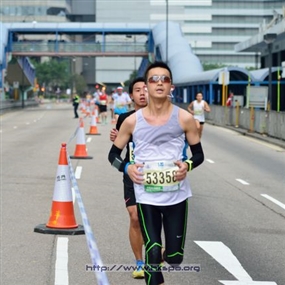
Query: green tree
[(79, 83), (53, 73), (250, 68), (210, 66)]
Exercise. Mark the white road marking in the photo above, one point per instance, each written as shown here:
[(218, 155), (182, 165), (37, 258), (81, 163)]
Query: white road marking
[(89, 140), (27, 123), (210, 161), (61, 263), (78, 172), (273, 200), (222, 254), (242, 181), (15, 127)]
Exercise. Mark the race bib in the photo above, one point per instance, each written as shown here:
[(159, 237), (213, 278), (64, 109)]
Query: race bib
[(103, 102), (119, 105), (198, 112), (160, 176)]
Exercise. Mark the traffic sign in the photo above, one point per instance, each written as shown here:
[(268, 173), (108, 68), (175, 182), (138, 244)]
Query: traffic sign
[(224, 77)]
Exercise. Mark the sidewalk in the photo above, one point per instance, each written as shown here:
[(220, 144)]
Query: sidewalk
[(11, 105)]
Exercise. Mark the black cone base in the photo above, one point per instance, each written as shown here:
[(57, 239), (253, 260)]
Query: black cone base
[(81, 157), (43, 229)]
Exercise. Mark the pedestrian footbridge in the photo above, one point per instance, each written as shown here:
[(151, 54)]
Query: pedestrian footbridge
[(23, 40)]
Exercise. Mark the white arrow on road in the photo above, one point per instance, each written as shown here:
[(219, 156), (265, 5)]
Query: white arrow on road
[(226, 258)]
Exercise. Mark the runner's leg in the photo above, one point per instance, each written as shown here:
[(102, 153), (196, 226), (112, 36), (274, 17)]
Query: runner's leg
[(198, 127), (135, 234), (201, 129), (151, 223), (175, 226)]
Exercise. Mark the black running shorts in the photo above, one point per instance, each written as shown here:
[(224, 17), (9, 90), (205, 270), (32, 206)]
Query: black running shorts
[(102, 108), (129, 191)]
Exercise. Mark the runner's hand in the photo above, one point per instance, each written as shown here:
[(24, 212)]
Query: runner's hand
[(182, 171), (135, 172), (113, 134)]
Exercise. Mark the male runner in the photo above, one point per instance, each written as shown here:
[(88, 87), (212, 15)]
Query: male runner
[(121, 102), (198, 108), (138, 95), (158, 172)]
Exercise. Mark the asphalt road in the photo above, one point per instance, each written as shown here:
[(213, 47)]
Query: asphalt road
[(236, 225)]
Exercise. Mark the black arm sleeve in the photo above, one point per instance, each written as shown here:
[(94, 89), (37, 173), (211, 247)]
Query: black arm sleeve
[(115, 158), (197, 154)]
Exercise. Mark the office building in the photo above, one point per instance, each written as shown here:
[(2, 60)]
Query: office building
[(212, 27)]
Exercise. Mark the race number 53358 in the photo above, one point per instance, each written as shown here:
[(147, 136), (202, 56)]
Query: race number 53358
[(165, 177)]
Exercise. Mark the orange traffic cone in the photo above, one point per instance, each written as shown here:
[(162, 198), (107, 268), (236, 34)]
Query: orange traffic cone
[(80, 149), (62, 219), (93, 127)]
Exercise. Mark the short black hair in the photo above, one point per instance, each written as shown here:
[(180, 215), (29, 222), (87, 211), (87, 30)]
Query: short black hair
[(156, 64), (136, 80)]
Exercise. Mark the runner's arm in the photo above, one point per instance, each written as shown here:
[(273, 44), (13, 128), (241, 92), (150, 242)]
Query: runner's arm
[(120, 142), (190, 108), (192, 136), (207, 107)]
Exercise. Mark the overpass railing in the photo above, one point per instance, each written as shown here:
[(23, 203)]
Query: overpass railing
[(71, 47)]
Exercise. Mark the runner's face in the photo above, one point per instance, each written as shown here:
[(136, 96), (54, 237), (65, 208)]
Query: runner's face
[(199, 97), (158, 89), (139, 94)]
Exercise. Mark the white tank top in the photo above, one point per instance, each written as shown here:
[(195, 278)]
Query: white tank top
[(198, 109), (158, 147)]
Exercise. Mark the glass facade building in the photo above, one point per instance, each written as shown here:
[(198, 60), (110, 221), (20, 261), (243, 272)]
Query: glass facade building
[(212, 27), (42, 11)]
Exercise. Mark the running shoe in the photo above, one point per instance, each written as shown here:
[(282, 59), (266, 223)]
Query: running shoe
[(139, 272)]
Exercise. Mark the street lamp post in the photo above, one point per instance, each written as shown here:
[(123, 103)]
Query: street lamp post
[(23, 79), (166, 50), (73, 75), (135, 59), (269, 39)]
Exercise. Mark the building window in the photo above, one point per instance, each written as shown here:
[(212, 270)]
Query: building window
[(28, 10)]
